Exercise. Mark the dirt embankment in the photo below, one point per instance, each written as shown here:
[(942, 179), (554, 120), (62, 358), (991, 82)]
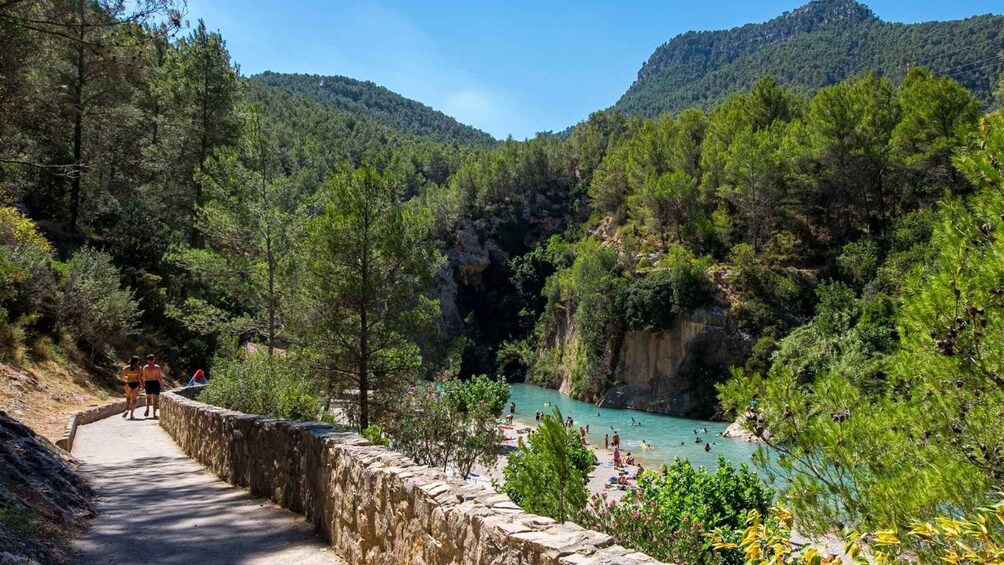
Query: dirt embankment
[(45, 395)]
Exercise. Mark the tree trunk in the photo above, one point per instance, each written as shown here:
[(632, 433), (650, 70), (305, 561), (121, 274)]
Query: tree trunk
[(269, 254), (364, 346), (78, 123), (196, 240), (271, 296), (364, 414), (327, 393)]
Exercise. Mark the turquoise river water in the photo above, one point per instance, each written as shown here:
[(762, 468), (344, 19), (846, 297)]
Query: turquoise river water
[(668, 435)]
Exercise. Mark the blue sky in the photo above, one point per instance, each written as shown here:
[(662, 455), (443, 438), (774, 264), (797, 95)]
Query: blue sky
[(507, 67)]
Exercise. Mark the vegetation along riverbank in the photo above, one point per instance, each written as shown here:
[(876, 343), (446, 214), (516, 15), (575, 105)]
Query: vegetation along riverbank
[(792, 225)]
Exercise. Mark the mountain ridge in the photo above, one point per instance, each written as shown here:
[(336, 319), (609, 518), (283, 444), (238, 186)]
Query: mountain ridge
[(815, 45), (378, 103)]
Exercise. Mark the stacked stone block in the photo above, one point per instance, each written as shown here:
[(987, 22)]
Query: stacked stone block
[(376, 506)]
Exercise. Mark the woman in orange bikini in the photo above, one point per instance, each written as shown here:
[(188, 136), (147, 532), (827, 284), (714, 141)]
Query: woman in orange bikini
[(131, 375), (152, 381)]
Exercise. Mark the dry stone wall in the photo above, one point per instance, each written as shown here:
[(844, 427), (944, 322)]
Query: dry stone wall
[(375, 506)]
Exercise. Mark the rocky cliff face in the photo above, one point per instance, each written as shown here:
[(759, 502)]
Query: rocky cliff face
[(673, 372), (670, 372), (477, 297), (466, 258)]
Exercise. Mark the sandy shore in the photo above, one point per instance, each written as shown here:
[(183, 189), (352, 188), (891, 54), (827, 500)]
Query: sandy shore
[(599, 477)]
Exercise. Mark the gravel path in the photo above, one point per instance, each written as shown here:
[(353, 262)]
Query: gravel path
[(158, 506)]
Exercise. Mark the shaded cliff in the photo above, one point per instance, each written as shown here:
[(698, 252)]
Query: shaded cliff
[(489, 289), (672, 371)]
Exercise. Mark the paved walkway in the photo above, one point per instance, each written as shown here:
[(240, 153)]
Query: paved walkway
[(158, 506)]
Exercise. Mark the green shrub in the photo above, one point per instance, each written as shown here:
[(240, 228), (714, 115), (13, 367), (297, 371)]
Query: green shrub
[(374, 435), (43, 349), (768, 294), (692, 288), (680, 283), (259, 384), (548, 476), (26, 281), (450, 424), (93, 306), (649, 302), (12, 340), (859, 261), (671, 510)]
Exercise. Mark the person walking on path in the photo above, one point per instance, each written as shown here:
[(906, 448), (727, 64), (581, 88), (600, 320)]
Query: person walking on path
[(131, 375), (152, 382)]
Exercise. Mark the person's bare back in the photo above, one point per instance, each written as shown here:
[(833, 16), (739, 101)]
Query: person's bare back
[(153, 380)]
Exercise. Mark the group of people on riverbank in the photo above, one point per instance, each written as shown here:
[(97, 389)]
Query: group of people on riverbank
[(150, 377)]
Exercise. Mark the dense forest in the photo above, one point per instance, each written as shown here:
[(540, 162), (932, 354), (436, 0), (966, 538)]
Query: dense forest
[(153, 198), (816, 45), (378, 104)]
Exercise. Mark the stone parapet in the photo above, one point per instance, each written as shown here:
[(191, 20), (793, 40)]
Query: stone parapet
[(376, 506), (89, 416)]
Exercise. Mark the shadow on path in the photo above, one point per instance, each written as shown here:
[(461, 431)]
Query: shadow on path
[(158, 506)]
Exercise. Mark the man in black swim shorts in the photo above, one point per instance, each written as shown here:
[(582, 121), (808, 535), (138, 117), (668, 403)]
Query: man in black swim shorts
[(152, 381)]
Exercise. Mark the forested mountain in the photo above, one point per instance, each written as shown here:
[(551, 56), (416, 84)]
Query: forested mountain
[(377, 103), (840, 248), (310, 134), (821, 43)]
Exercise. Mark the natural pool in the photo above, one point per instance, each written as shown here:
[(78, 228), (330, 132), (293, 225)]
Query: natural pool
[(668, 435)]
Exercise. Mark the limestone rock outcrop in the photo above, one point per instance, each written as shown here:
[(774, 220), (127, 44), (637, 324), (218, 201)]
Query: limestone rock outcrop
[(673, 372)]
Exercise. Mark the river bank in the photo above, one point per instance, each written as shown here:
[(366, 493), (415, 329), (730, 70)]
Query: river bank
[(599, 476), (668, 437)]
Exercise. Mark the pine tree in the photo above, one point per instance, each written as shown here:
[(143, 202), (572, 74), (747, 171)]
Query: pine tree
[(370, 262)]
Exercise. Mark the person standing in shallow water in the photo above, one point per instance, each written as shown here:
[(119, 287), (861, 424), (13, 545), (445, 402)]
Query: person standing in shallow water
[(153, 380), (131, 375)]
